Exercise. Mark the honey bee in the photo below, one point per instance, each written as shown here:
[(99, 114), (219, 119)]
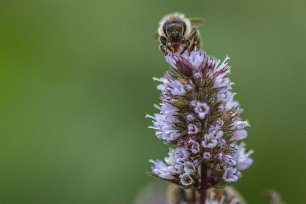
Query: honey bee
[(177, 33)]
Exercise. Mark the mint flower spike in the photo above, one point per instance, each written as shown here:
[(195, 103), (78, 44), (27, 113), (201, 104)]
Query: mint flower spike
[(199, 115)]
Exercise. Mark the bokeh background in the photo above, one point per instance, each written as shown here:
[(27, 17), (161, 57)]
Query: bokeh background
[(76, 82)]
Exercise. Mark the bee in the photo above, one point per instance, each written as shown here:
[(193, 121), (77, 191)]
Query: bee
[(177, 33)]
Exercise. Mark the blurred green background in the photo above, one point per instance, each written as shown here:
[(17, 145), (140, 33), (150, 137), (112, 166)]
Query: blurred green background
[(76, 82)]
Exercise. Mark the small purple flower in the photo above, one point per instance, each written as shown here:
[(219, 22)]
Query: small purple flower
[(190, 117), (212, 137), (201, 109), (224, 95), (209, 142), (220, 156), (165, 123), (177, 88), (219, 123), (176, 169), (229, 160), (230, 104), (189, 167), (239, 125), (243, 159), (164, 81), (195, 58), (186, 179), (216, 133), (221, 82), (238, 135), (160, 169), (221, 143), (206, 155), (195, 147), (230, 175), (192, 129), (178, 155)]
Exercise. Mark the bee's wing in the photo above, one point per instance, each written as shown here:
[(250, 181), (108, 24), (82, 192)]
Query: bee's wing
[(197, 22)]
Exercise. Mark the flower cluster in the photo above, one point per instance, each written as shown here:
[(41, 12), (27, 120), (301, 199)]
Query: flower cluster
[(198, 114)]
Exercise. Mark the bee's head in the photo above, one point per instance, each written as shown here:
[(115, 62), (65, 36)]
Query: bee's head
[(175, 31)]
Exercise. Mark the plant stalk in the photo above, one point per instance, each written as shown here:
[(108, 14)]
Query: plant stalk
[(203, 190)]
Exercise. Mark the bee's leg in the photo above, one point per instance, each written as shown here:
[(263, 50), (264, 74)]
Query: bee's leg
[(187, 44), (195, 45), (167, 48), (197, 41), (163, 40), (163, 49)]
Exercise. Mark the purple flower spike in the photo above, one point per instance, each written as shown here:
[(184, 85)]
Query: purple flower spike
[(199, 115)]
